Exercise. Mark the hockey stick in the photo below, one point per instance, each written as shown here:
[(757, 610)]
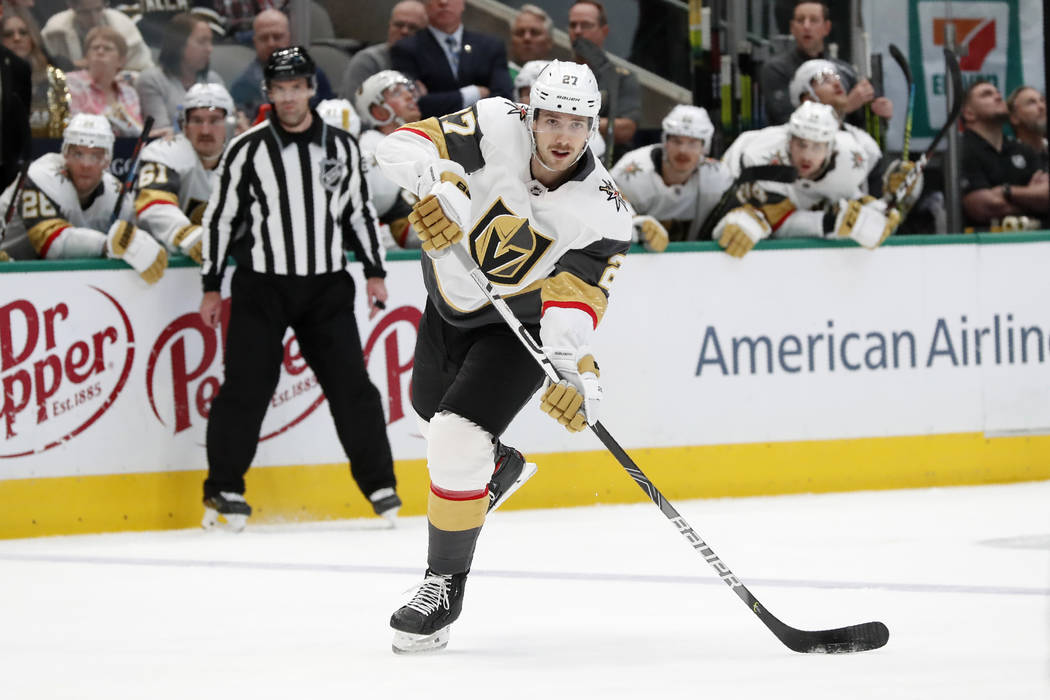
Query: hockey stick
[(754, 173), (129, 180), (902, 61), (16, 194), (863, 637), (957, 93)]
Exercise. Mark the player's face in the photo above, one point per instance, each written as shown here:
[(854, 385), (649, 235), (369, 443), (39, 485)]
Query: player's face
[(206, 130), (560, 138), (683, 153), (291, 100), (808, 156), (402, 100), (829, 90), (809, 27), (85, 166)]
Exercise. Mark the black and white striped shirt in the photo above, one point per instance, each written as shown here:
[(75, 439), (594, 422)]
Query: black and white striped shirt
[(300, 197)]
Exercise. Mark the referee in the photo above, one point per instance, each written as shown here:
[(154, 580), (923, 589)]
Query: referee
[(294, 186)]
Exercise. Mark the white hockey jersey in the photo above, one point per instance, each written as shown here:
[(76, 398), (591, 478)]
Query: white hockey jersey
[(50, 222), (681, 208), (172, 189), (539, 248), (853, 156)]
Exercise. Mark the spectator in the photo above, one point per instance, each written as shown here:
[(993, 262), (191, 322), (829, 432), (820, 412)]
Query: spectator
[(386, 101), (523, 94), (826, 200), (65, 33), (183, 61), (406, 18), (49, 109), (1027, 108), (588, 29), (68, 201), (234, 19), (810, 25), (999, 177), (530, 38), (457, 67), (104, 88), (271, 32), (672, 185), (15, 92), (152, 17)]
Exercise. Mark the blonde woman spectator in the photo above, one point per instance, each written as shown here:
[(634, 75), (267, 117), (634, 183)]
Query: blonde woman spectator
[(65, 34), (49, 102), (184, 56), (103, 87)]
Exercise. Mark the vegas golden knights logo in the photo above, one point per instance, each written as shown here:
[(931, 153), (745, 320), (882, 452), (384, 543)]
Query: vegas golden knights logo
[(505, 247)]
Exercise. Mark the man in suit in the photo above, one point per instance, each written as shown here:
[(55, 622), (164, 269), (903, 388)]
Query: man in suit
[(458, 67), (15, 90)]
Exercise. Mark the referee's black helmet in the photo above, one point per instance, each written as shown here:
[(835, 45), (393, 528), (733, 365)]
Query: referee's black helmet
[(289, 63)]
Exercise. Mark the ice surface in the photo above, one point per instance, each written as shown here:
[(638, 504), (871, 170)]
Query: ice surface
[(601, 602)]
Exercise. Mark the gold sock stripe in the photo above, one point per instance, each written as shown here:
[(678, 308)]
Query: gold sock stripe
[(455, 516)]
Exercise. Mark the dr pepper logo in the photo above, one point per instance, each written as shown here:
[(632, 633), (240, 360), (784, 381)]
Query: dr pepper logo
[(185, 368), (62, 365)]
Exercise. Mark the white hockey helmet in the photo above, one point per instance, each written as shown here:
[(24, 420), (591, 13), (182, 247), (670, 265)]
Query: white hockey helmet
[(690, 121), (340, 114), (564, 86), (814, 121), (802, 81), (91, 130), (527, 76), (371, 94)]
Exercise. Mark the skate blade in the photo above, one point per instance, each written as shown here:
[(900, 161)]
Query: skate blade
[(408, 643), (213, 520), (527, 472)]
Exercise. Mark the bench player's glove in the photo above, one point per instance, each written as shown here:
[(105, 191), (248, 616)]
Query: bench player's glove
[(741, 229), (190, 241), (443, 210), (574, 400), (866, 221), (895, 175), (138, 249), (651, 233)]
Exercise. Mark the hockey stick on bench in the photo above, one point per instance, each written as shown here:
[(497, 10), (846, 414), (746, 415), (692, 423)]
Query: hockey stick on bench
[(862, 637)]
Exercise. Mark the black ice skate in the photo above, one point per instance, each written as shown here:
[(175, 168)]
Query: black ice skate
[(229, 507), (511, 472), (423, 624), (385, 503)]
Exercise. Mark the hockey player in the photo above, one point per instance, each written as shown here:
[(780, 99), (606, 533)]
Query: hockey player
[(178, 175), (673, 186), (523, 88), (68, 201), (818, 80), (386, 101), (827, 199), (521, 192)]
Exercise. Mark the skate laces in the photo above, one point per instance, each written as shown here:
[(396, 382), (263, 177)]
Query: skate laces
[(431, 594)]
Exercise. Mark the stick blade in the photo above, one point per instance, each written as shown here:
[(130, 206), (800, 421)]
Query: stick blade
[(844, 640)]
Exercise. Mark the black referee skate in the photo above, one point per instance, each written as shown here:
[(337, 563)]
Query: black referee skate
[(226, 506), (423, 624), (386, 503), (511, 472)]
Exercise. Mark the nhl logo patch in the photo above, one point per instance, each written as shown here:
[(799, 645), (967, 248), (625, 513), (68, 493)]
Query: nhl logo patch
[(332, 171), (1019, 161)]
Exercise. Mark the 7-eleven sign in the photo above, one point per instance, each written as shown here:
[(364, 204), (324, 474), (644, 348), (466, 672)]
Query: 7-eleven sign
[(987, 34)]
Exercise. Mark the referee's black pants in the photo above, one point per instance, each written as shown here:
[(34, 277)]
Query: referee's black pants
[(320, 310)]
